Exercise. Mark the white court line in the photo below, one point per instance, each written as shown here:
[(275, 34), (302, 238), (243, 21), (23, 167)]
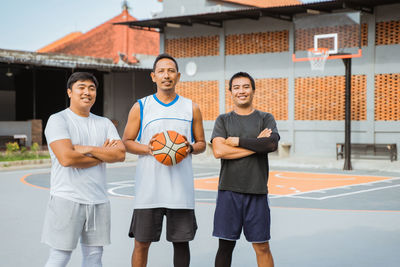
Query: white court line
[(347, 194), (206, 190), (206, 175), (297, 195), (205, 199), (281, 176), (120, 185), (327, 173)]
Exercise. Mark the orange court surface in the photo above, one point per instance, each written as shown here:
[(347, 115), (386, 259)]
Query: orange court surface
[(289, 183)]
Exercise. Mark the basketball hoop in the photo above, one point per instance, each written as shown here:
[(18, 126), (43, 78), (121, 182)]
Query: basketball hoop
[(318, 57)]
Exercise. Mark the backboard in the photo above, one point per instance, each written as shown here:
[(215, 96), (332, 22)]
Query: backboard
[(338, 35)]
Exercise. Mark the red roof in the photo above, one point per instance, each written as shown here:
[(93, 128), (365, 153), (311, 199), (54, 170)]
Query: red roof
[(266, 3), (59, 42), (108, 41)]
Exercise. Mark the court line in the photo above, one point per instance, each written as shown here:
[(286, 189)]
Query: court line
[(121, 185), (206, 175), (26, 183), (333, 173), (281, 176), (332, 188), (333, 209), (347, 194)]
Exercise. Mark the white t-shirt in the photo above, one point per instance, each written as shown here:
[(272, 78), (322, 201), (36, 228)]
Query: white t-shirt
[(88, 185), (157, 185)]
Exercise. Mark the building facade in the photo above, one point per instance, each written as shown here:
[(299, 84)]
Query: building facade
[(308, 106)]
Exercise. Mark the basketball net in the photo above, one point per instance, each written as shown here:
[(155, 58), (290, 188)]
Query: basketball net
[(317, 58)]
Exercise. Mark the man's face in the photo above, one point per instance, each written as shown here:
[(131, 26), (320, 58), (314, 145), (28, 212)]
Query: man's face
[(242, 92), (165, 75), (82, 94)]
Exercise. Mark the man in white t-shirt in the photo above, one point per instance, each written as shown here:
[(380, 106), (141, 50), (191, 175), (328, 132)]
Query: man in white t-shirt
[(80, 143)]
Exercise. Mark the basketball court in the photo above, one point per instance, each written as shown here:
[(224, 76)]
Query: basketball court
[(319, 218), (292, 189)]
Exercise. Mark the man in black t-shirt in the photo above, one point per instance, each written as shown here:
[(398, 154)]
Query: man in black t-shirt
[(242, 140)]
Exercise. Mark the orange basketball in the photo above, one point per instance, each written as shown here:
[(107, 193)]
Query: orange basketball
[(169, 148)]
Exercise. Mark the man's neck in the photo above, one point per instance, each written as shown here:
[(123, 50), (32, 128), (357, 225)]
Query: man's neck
[(80, 112), (243, 110), (166, 97)]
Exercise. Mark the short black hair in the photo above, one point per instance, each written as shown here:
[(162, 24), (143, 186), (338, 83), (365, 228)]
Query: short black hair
[(162, 56), (240, 75), (81, 76)]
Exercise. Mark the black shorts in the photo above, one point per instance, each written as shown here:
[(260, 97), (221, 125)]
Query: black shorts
[(146, 224)]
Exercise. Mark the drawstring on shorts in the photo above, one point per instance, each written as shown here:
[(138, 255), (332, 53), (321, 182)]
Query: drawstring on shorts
[(90, 207)]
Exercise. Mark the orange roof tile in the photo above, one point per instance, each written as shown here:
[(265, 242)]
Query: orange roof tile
[(265, 3), (59, 42), (110, 41)]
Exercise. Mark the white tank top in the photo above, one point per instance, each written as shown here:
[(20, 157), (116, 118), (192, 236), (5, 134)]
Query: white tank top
[(157, 185)]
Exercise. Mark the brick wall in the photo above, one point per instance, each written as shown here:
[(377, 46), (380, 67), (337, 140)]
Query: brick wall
[(316, 98), (323, 98), (256, 43), (349, 36), (205, 94), (387, 33), (193, 46), (387, 97)]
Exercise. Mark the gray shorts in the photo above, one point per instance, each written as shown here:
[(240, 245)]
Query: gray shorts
[(66, 221)]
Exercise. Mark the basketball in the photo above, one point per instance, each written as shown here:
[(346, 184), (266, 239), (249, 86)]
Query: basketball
[(169, 148)]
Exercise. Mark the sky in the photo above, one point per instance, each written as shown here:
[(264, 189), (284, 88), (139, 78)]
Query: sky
[(32, 24)]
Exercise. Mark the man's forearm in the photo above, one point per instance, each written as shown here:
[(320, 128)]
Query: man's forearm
[(224, 151), (237, 153), (77, 160), (261, 145), (199, 147), (136, 148), (108, 154), (85, 162)]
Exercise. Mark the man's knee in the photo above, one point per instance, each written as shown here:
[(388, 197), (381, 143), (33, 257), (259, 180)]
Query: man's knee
[(91, 256), (58, 258), (262, 248), (142, 246)]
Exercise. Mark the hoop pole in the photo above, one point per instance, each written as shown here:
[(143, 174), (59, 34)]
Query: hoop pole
[(347, 135)]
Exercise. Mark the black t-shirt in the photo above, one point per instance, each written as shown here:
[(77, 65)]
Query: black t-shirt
[(248, 174)]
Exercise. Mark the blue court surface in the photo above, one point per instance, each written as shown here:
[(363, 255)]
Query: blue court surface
[(319, 218)]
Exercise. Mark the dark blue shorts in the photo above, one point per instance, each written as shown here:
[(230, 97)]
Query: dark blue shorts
[(235, 211)]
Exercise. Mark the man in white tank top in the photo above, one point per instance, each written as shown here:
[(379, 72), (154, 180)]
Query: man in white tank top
[(163, 190)]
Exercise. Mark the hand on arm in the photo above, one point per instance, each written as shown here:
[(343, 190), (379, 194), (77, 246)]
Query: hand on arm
[(266, 142), (234, 141), (69, 157), (131, 132), (111, 151), (265, 133)]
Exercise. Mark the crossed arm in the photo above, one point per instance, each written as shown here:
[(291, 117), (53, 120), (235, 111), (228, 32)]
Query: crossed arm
[(235, 147), (78, 156)]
